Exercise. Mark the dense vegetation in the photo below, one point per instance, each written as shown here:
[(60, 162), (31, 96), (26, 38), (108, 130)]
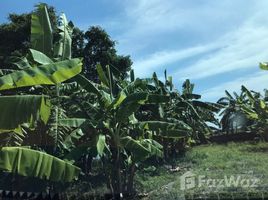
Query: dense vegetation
[(60, 115)]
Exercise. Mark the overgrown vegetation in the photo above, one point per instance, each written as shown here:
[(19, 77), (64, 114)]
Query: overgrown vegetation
[(70, 121)]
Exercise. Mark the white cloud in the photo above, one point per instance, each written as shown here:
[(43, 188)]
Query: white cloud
[(159, 60), (239, 48), (173, 14), (243, 49), (257, 81), (237, 30), (148, 21)]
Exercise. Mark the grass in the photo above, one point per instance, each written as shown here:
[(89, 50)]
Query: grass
[(213, 161), (247, 160)]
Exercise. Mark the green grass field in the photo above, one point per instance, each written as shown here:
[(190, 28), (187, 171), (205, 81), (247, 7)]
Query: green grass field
[(247, 160)]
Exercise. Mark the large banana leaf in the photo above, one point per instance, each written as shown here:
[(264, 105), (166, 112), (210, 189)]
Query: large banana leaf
[(132, 102), (19, 109), (139, 152), (249, 94), (41, 31), (141, 149), (102, 76), (32, 163), (63, 47), (42, 75), (40, 58), (96, 146), (73, 137), (252, 114), (87, 84), (153, 146), (72, 122)]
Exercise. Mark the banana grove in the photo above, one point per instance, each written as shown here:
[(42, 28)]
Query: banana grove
[(54, 121)]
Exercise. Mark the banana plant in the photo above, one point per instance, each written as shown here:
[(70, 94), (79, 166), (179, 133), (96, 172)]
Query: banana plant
[(197, 113), (17, 110), (165, 113), (248, 110), (232, 111), (27, 110), (109, 110), (257, 110), (185, 108), (32, 163)]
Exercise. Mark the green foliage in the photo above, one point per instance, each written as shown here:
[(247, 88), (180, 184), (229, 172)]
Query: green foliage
[(185, 109), (41, 31), (40, 58), (78, 42), (101, 144), (139, 151), (48, 74), (214, 162), (72, 122), (101, 115), (264, 66), (116, 110), (252, 105), (14, 37), (257, 110), (21, 114), (63, 47), (94, 46), (32, 163), (100, 49), (114, 104), (132, 103), (19, 109), (87, 84), (166, 129)]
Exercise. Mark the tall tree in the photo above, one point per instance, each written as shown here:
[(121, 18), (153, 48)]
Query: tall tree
[(100, 49), (78, 43)]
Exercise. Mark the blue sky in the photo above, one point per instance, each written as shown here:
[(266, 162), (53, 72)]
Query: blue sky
[(217, 44)]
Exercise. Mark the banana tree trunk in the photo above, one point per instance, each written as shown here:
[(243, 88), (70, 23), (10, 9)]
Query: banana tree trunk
[(131, 179), (165, 148), (116, 173), (264, 134)]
